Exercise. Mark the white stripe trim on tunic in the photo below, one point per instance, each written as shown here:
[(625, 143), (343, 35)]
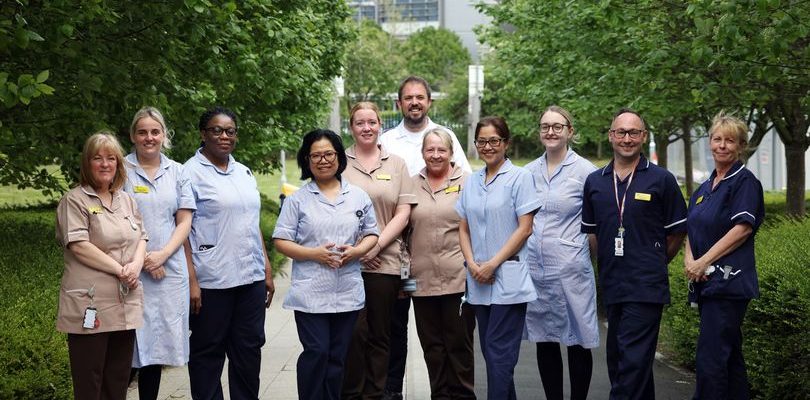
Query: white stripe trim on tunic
[(587, 224), (674, 223), (743, 212)]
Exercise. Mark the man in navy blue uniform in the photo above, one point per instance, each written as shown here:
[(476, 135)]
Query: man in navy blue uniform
[(635, 217)]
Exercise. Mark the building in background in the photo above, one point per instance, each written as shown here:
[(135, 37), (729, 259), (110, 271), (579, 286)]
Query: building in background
[(401, 18)]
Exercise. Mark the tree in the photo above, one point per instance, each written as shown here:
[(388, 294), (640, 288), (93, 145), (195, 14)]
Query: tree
[(374, 64), (271, 62)]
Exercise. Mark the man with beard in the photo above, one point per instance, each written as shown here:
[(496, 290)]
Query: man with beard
[(405, 140)]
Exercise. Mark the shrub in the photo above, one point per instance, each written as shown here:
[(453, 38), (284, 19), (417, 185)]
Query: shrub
[(776, 348)]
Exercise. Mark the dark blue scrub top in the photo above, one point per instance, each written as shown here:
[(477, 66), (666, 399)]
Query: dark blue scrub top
[(737, 199), (654, 209)]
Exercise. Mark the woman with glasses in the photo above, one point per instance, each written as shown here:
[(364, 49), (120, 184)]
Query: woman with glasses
[(325, 227), (231, 280), (444, 323), (385, 178), (497, 208), (725, 213), (560, 264), (166, 202), (100, 300)]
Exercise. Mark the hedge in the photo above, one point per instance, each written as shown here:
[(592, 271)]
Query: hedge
[(33, 355), (777, 325)]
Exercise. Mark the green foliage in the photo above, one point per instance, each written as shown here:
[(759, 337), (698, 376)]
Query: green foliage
[(776, 349), (33, 355), (374, 64), (272, 62), (438, 56)]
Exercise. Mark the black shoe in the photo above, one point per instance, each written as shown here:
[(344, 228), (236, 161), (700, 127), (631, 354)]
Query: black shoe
[(392, 396)]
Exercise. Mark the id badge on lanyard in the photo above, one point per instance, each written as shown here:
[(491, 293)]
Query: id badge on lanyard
[(618, 241)]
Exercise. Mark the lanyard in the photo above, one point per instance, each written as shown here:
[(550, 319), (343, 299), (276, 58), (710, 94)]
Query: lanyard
[(620, 206)]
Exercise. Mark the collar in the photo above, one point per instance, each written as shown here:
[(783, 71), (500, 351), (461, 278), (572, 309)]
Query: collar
[(505, 167), (736, 167), (570, 158), (202, 159), (313, 187), (352, 153), (643, 163), (132, 159), (455, 172), (116, 195)]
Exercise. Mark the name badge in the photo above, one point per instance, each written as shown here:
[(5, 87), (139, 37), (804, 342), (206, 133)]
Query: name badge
[(141, 189), (618, 246), (453, 189), (95, 210), (643, 196), (699, 199), (383, 177)]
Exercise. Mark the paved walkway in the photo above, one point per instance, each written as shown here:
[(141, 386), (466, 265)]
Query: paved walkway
[(280, 353)]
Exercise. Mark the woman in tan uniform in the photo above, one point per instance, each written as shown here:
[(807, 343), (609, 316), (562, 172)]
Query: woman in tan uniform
[(444, 325), (385, 178), (100, 300)]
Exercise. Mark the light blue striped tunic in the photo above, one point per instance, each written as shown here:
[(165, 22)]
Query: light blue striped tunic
[(163, 338), (559, 258), (310, 219), (492, 210)]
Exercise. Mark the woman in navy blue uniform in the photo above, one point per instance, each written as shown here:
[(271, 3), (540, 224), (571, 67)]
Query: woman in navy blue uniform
[(724, 216)]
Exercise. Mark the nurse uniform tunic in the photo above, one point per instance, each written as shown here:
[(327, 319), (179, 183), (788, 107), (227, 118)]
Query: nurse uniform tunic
[(492, 210), (559, 258), (163, 339), (309, 219)]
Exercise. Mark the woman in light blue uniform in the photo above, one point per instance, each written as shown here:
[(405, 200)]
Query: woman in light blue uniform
[(725, 213), (560, 263), (325, 227), (496, 208), (231, 283), (166, 203)]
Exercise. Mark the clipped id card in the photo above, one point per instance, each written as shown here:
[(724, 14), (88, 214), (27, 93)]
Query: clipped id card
[(90, 319), (618, 246)]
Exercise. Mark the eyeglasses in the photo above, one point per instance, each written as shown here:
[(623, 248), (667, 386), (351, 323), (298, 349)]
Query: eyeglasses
[(329, 156), (216, 131), (621, 133), (493, 142), (556, 128)]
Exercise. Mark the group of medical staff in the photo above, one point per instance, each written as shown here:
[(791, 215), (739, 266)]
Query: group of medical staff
[(165, 263)]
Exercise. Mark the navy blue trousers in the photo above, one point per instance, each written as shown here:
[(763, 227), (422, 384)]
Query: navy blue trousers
[(326, 339), (500, 330), (631, 340), (719, 360), (231, 321)]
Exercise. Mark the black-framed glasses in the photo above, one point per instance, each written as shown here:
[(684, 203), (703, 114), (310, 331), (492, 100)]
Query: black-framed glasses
[(328, 156), (556, 128), (621, 133), (493, 142), (218, 130)]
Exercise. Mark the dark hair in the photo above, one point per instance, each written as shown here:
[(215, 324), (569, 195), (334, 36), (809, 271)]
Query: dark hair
[(413, 79), (306, 145), (625, 110), (213, 112), (496, 122)]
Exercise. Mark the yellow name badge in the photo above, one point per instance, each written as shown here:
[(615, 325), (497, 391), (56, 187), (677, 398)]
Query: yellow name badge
[(643, 196), (141, 189), (95, 210), (383, 177), (453, 189), (699, 199)]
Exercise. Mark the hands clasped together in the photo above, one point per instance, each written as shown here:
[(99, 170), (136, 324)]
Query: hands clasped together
[(483, 272), (335, 256)]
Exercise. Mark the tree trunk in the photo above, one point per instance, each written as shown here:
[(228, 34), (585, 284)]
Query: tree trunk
[(686, 136), (794, 163), (661, 144)]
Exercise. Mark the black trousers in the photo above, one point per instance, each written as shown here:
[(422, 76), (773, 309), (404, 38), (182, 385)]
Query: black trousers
[(230, 322), (100, 364), (631, 340)]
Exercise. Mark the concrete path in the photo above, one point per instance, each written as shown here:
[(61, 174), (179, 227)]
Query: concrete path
[(280, 353)]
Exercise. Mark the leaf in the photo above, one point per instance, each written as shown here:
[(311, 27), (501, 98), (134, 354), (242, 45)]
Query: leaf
[(43, 76)]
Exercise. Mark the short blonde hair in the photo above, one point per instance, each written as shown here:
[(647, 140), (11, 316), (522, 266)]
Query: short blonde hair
[(728, 123), (568, 118), (364, 105), (103, 140), (443, 135), (155, 114)]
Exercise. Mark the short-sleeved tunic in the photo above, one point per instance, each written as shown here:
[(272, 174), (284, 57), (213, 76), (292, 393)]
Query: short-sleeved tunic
[(310, 219), (115, 230), (436, 260), (737, 199), (492, 210), (163, 339), (559, 258), (225, 238), (388, 185)]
